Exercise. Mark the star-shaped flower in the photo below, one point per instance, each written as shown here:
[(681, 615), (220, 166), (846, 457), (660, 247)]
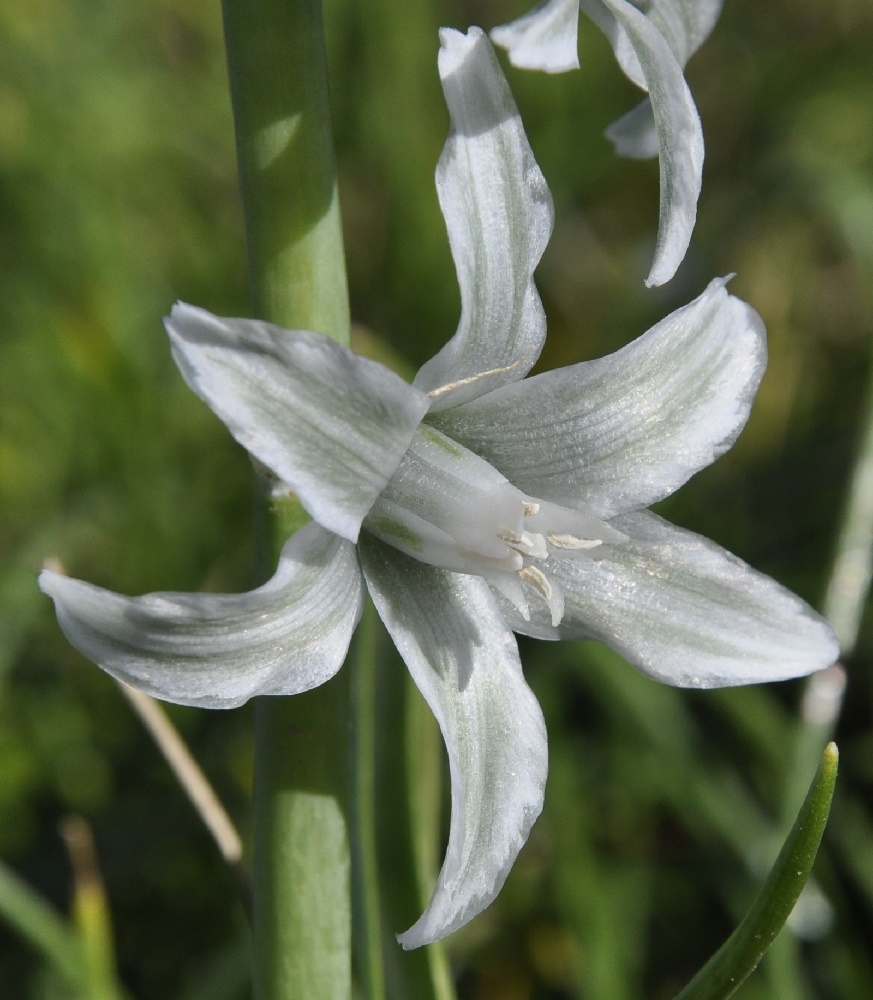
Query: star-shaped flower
[(474, 503), (652, 40)]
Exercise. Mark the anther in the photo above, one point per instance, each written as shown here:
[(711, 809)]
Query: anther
[(572, 542)]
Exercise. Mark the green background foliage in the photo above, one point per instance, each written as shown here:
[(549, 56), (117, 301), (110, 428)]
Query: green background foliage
[(118, 196)]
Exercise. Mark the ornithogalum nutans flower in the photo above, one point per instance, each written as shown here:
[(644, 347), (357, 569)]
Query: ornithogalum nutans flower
[(472, 504)]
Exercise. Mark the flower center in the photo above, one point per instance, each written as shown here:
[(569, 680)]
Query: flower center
[(448, 507)]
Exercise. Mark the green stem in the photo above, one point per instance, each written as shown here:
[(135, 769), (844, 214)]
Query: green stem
[(844, 603), (278, 76), (302, 929), (278, 79)]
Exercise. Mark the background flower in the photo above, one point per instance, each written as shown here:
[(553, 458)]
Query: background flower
[(652, 41)]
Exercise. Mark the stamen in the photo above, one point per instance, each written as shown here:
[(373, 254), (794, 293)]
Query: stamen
[(553, 596), (537, 579), (436, 393), (527, 544), (530, 508), (510, 587), (572, 542)]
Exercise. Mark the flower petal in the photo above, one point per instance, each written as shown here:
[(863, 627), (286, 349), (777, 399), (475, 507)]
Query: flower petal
[(626, 430), (219, 650), (465, 662), (332, 425), (498, 213), (685, 25), (684, 610), (545, 38), (680, 137), (635, 134)]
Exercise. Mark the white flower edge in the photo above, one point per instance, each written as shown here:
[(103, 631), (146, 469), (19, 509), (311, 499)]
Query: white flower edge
[(464, 660), (685, 25), (635, 135), (220, 650), (545, 38)]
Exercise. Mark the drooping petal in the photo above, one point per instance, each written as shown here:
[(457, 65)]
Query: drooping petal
[(219, 650), (680, 137), (465, 662), (685, 25), (624, 431), (545, 38), (684, 610), (498, 213), (331, 424)]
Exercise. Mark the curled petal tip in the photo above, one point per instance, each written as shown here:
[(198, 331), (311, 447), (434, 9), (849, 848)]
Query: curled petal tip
[(455, 44)]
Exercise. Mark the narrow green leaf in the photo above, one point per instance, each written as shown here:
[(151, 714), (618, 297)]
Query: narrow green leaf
[(91, 913), (409, 789), (425, 754), (739, 955), (29, 915)]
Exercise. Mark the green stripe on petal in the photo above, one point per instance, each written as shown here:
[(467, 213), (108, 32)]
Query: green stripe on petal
[(449, 507), (499, 216), (464, 660), (624, 431), (219, 650), (330, 424)]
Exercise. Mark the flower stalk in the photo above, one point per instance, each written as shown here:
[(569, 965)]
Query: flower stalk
[(281, 108), (278, 78)]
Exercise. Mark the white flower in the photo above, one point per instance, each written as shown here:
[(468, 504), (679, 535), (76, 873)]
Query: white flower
[(473, 503), (652, 40)]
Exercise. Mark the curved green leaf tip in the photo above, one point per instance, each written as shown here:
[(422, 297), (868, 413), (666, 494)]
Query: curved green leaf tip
[(739, 955)]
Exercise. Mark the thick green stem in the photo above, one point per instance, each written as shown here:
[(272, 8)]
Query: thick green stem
[(278, 76), (302, 932)]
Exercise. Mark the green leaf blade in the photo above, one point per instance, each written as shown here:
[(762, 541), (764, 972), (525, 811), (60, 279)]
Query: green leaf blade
[(740, 954)]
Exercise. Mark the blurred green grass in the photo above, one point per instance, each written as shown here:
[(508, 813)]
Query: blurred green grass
[(118, 196)]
